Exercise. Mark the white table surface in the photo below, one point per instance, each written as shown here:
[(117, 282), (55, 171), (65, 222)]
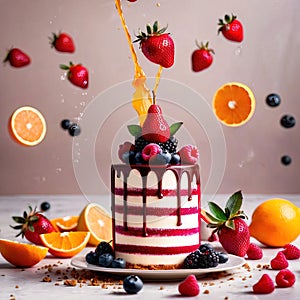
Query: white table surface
[(17, 283)]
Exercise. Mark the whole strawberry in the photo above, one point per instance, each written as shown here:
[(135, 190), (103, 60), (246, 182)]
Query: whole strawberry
[(17, 58), (77, 74), (62, 42), (157, 45), (202, 57), (232, 230), (33, 224), (231, 28)]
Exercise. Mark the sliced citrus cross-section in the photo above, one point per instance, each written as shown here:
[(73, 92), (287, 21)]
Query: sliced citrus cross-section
[(22, 254), (234, 104), (95, 219), (28, 126), (67, 223), (65, 244)]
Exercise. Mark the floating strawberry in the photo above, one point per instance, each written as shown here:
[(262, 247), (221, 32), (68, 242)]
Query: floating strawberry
[(33, 224), (202, 57), (77, 74), (62, 42), (155, 128), (17, 58), (157, 45), (232, 28), (232, 230)]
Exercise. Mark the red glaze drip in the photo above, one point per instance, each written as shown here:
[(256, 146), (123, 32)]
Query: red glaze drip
[(191, 170)]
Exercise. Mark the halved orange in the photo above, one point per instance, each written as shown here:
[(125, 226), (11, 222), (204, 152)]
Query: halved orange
[(28, 126), (65, 244), (234, 104), (95, 219), (67, 223), (22, 254)]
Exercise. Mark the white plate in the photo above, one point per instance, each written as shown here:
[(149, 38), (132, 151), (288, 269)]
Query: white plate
[(232, 263)]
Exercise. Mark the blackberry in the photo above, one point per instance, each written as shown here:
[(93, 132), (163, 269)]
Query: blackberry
[(170, 145), (140, 144), (208, 259), (104, 247), (192, 260)]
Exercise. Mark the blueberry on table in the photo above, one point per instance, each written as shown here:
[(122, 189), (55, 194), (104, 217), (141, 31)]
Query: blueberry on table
[(45, 206), (118, 263), (288, 121), (74, 129), (273, 100), (132, 284), (65, 124), (286, 160), (105, 260)]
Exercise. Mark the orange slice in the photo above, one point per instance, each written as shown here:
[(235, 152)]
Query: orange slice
[(234, 104), (22, 254), (65, 244), (28, 126), (67, 223), (97, 221)]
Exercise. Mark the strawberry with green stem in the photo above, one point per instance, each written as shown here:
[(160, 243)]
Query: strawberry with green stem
[(202, 57), (232, 230), (77, 74), (157, 45), (62, 42), (32, 224), (17, 58), (231, 28)]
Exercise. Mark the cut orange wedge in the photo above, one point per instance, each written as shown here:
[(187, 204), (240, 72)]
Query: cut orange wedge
[(65, 244), (95, 219), (234, 104), (28, 126), (67, 223), (22, 254)]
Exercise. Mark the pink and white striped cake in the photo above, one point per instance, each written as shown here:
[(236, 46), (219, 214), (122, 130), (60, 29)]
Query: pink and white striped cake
[(156, 214)]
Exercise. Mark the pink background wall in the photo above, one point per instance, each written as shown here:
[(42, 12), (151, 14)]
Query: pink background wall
[(247, 157)]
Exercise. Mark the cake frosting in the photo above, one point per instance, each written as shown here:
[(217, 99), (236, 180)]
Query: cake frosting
[(155, 213)]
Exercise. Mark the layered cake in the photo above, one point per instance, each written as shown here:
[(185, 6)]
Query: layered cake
[(156, 197)]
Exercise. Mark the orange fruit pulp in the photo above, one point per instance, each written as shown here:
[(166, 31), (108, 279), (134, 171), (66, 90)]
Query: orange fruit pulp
[(28, 126), (22, 254), (67, 223), (65, 244), (97, 221), (234, 104), (275, 222)]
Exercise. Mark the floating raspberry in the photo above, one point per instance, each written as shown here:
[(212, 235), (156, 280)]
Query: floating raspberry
[(285, 278), (279, 262), (265, 285), (254, 252), (291, 251), (189, 286)]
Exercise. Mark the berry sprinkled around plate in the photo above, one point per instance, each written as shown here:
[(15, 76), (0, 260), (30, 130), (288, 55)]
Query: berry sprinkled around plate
[(132, 284), (287, 121), (189, 286), (45, 206), (273, 100)]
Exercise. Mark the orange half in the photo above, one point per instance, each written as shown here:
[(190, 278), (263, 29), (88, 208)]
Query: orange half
[(234, 104), (28, 126), (67, 223), (22, 254), (65, 244)]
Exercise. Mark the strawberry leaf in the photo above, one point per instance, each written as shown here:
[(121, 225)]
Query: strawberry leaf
[(175, 127), (211, 218), (19, 220), (234, 203), (217, 211), (135, 130), (230, 224)]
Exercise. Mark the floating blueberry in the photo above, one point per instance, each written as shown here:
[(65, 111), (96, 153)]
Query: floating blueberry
[(288, 121), (74, 129), (286, 160), (118, 263), (92, 258), (273, 100), (105, 260), (132, 284), (45, 206), (65, 124)]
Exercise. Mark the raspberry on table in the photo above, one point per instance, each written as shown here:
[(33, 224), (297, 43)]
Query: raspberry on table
[(254, 252), (189, 286), (291, 251), (264, 285), (279, 262), (285, 278)]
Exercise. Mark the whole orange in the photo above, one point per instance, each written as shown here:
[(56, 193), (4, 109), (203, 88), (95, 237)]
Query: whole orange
[(275, 222)]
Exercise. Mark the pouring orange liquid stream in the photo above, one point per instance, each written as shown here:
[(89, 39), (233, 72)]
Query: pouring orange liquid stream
[(141, 99)]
